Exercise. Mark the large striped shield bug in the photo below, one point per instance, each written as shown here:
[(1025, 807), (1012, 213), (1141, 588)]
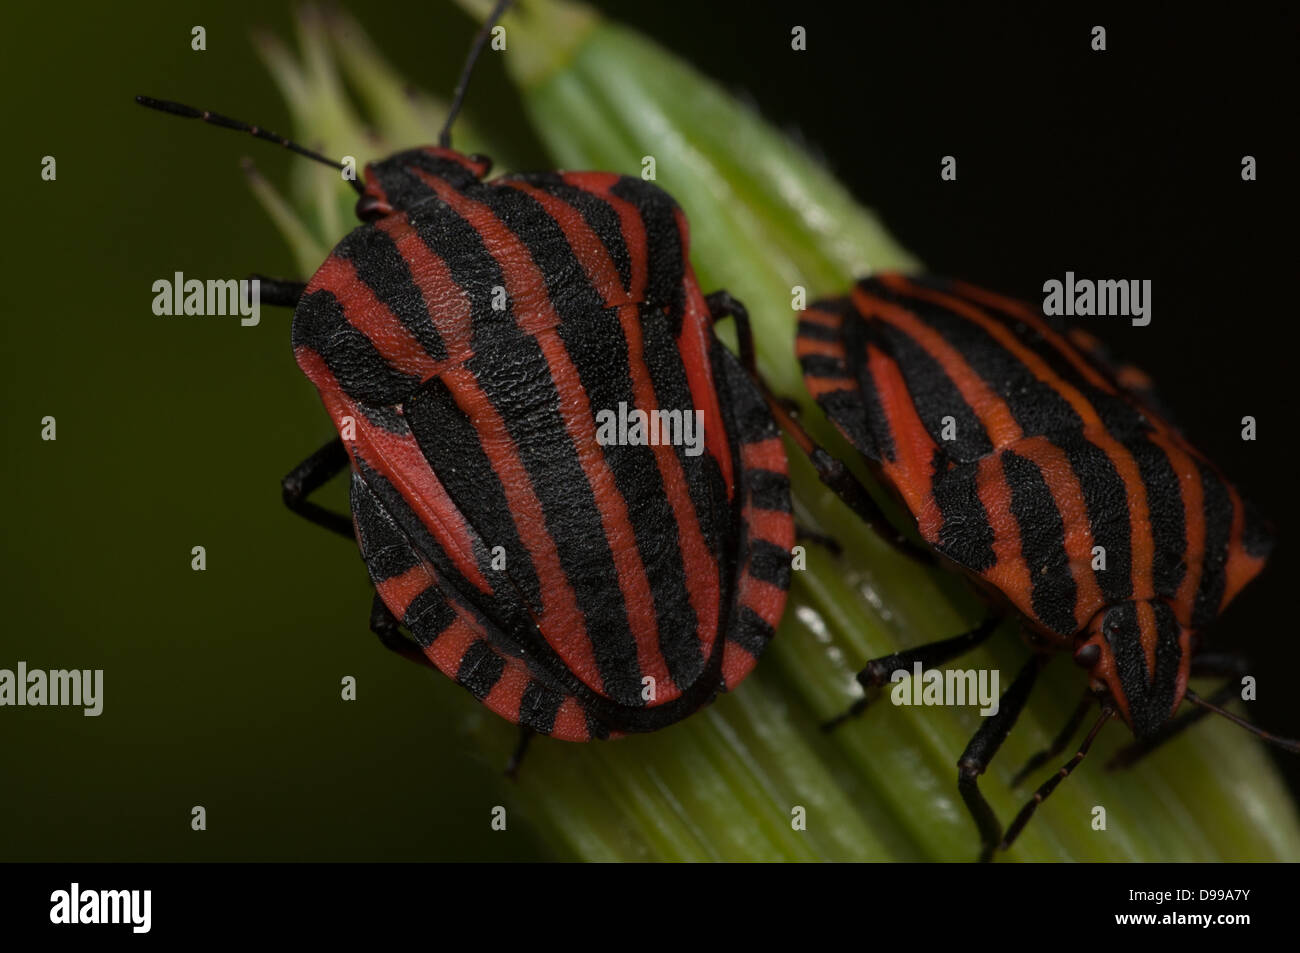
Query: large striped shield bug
[(1044, 473), (473, 342)]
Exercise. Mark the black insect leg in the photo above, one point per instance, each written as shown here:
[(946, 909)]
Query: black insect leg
[(311, 475), (803, 534), (1209, 664), (278, 293), (878, 671), (521, 748), (830, 470), (981, 749), (1062, 739)]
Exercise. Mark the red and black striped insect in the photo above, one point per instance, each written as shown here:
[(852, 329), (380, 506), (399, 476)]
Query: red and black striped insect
[(1045, 474), (465, 340)]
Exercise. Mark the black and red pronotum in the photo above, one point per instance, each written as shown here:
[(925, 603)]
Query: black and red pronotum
[(1045, 474)]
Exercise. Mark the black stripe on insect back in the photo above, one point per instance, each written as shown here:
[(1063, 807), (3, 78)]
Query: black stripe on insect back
[(1041, 410), (859, 414), (1217, 507), (1106, 497), (751, 632), (385, 550), (935, 397), (471, 265), (1042, 543), (514, 375), (769, 563), (362, 372), (1150, 695), (446, 434), (768, 490), (593, 337), (966, 536), (388, 554), (663, 245), (1167, 516), (597, 213), (668, 377), (385, 272), (539, 706), (480, 668)]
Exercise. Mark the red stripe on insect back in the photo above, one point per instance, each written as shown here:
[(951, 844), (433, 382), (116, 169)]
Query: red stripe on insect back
[(697, 556), (1009, 573), (630, 221), (1189, 481), (1056, 340), (694, 343), (910, 470), (1148, 634), (1068, 496), (571, 722), (564, 627), (399, 591), (762, 598), (528, 293), (1142, 541), (372, 318), (508, 692), (449, 648), (400, 460), (992, 411), (443, 297), (587, 247)]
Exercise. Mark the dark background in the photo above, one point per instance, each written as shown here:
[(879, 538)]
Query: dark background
[(1121, 164)]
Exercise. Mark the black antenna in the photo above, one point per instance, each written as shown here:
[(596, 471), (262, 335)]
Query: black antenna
[(462, 84), (1286, 744), (216, 119)]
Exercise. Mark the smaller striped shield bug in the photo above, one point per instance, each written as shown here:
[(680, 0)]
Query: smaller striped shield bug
[(1045, 474)]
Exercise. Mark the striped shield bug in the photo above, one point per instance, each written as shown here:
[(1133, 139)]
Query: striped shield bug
[(564, 487), (1048, 476)]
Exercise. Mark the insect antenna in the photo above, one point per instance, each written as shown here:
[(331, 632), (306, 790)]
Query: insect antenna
[(216, 119), (462, 84), (1050, 784), (1286, 744)]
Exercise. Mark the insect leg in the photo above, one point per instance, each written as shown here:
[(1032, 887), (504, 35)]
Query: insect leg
[(878, 671), (981, 749), (1206, 664), (831, 471), (521, 748), (277, 293), (385, 625), (805, 535), (309, 476), (1050, 784), (1058, 744)]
